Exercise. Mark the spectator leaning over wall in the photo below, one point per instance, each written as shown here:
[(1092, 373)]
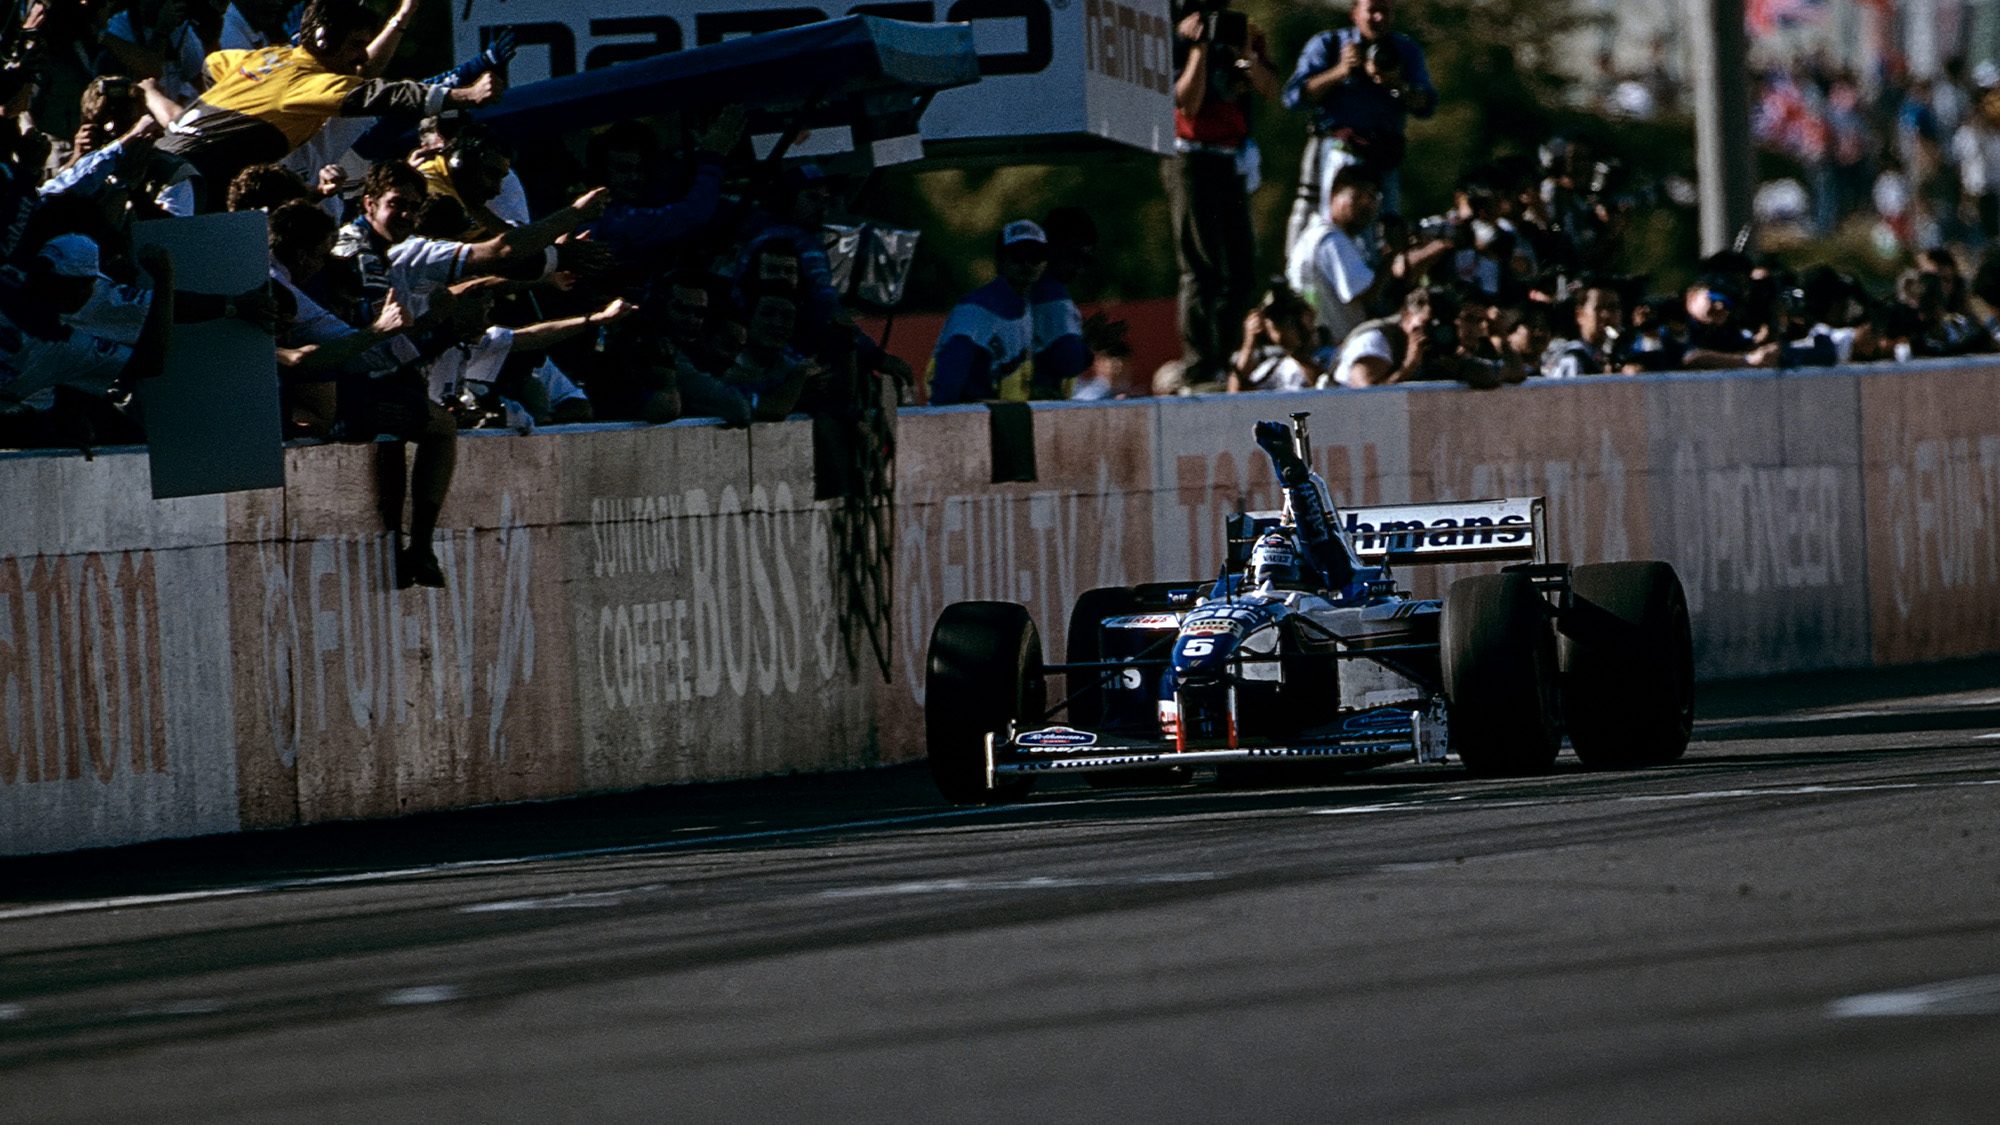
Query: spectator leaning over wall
[(1598, 346), (386, 260), (1280, 351), (986, 350), (267, 102)]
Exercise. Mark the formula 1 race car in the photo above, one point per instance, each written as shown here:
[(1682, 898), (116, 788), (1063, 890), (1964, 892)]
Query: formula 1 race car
[(1305, 656)]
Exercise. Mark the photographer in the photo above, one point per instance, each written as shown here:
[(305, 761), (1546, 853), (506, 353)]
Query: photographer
[(1360, 84), (1434, 338), (1596, 349), (1278, 352), (1221, 63)]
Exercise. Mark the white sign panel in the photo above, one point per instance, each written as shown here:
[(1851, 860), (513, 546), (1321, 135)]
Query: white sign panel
[(1048, 68)]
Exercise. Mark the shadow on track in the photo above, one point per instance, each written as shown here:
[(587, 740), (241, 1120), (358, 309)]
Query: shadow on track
[(787, 811)]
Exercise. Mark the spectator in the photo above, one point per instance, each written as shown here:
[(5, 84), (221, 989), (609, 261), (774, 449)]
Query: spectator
[(267, 102), (266, 187), (1521, 334), (1111, 348), (986, 349), (470, 170), (1594, 350), (639, 225), (1428, 340), (1061, 355), (1360, 85), (1279, 350), (313, 344), (1219, 62), (155, 39), (769, 374), (110, 107), (386, 260), (1976, 149)]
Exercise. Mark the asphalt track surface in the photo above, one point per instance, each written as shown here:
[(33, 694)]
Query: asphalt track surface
[(1801, 921)]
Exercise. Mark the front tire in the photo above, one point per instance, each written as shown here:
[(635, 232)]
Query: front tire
[(1628, 665), (1500, 676), (984, 672)]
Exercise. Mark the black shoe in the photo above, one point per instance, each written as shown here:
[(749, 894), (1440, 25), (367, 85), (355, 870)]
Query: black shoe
[(418, 566)]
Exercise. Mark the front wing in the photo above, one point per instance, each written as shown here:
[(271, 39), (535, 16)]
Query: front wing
[(1384, 733)]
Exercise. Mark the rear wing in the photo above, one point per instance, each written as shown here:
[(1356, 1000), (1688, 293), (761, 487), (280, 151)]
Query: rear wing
[(1514, 529), (1510, 530)]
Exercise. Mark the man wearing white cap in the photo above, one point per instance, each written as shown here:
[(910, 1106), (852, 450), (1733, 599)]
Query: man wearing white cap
[(986, 350), (40, 348)]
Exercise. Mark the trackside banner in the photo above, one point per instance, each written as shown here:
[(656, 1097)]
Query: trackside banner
[(1050, 70)]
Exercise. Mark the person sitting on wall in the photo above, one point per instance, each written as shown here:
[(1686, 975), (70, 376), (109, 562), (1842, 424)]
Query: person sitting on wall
[(382, 258)]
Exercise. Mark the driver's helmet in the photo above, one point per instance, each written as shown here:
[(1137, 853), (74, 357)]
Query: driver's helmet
[(1275, 561)]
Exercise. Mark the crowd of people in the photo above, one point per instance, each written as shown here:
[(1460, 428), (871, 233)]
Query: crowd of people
[(417, 285), (1516, 279)]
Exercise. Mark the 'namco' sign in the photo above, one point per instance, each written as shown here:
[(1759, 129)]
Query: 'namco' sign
[(1050, 70)]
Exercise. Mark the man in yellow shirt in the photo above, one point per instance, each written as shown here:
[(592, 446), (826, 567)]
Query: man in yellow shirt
[(266, 102)]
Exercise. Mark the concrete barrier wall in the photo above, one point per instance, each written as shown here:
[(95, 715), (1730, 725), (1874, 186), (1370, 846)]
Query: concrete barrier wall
[(641, 606)]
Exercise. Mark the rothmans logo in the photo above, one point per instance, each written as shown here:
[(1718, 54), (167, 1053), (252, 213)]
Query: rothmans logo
[(1442, 534), (1056, 738)]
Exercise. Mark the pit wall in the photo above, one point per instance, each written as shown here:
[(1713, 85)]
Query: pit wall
[(652, 605)]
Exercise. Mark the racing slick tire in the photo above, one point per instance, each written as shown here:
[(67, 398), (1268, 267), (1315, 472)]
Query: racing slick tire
[(1627, 656), (984, 671), (1499, 660), (1086, 704)]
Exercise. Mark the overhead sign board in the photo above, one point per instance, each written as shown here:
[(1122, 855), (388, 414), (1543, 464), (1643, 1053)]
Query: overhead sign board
[(1053, 73)]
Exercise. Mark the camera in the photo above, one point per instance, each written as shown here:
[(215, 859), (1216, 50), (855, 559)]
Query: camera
[(1382, 57), (1226, 28), (1444, 228)]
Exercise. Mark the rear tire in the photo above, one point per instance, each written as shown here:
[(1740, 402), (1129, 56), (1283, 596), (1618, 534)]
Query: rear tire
[(985, 671), (1499, 663), (1628, 665)]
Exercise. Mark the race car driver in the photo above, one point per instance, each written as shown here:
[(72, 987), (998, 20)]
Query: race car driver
[(1306, 498)]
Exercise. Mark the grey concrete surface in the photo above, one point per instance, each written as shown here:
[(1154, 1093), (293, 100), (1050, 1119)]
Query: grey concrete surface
[(1801, 921)]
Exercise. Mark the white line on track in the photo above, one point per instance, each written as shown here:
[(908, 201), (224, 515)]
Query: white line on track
[(420, 994), (582, 900), (1032, 883), (1973, 996), (43, 910), (1637, 798), (11, 1012)]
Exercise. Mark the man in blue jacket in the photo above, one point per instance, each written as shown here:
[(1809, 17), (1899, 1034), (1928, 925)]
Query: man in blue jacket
[(986, 350), (1361, 84)]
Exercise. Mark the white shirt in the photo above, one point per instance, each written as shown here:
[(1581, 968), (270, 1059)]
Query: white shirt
[(1275, 370), (1976, 150), (114, 312), (1372, 344), (476, 362), (1341, 274)]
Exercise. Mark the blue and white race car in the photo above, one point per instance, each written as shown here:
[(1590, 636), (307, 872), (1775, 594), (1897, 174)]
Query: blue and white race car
[(1306, 655)]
